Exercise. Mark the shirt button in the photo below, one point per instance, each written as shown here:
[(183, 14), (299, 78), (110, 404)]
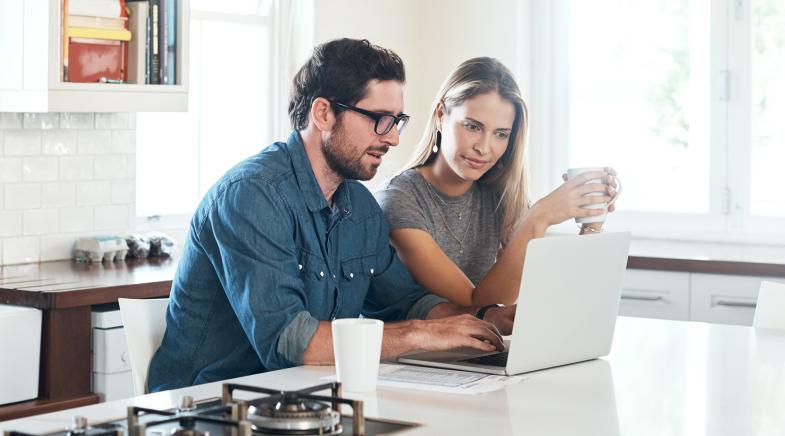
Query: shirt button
[(300, 267), (321, 273), (333, 276), (351, 275), (371, 270)]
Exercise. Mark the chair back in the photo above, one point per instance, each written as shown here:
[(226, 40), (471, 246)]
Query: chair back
[(144, 323), (770, 308)]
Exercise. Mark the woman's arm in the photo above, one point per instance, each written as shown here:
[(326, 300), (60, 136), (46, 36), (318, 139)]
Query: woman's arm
[(433, 270)]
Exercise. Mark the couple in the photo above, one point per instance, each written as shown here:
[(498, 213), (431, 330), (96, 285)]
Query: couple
[(288, 240)]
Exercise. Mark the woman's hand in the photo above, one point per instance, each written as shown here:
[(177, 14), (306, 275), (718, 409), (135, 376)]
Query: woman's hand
[(567, 201)]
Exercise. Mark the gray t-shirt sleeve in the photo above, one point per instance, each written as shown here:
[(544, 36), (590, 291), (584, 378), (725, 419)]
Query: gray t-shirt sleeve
[(401, 207)]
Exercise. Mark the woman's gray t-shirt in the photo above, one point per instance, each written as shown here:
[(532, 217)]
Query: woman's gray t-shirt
[(467, 227)]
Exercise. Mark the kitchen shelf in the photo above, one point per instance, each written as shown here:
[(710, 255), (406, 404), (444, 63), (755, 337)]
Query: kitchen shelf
[(30, 46)]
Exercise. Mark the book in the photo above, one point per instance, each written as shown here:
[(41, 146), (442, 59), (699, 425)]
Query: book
[(95, 33), (137, 48), (97, 22), (97, 8), (167, 35), (154, 54), (90, 60)]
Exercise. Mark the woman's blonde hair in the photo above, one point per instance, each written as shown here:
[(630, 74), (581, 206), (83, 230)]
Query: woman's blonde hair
[(479, 76)]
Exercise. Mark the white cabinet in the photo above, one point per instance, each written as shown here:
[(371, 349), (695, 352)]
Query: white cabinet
[(656, 294), (111, 366), (20, 352), (724, 299), (30, 49), (717, 298)]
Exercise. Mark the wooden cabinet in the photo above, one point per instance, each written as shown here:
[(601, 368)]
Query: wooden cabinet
[(30, 49)]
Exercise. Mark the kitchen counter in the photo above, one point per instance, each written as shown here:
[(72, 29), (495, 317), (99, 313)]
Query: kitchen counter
[(661, 377), (65, 291)]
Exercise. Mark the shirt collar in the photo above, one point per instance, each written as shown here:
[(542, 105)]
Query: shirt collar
[(306, 180)]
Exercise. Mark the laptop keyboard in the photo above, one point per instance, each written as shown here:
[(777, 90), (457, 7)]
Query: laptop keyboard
[(498, 359)]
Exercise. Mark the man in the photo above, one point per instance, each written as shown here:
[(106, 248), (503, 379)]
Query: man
[(287, 240)]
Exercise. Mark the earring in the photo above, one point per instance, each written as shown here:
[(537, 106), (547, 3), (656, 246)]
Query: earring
[(438, 142)]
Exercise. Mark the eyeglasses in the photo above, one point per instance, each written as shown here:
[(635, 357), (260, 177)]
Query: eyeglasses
[(384, 122)]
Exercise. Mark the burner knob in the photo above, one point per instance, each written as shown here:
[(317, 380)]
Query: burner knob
[(78, 424), (186, 403)]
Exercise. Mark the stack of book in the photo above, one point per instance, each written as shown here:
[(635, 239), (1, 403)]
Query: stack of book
[(120, 41), (95, 41)]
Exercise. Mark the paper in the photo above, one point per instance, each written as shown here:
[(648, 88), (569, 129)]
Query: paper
[(440, 380)]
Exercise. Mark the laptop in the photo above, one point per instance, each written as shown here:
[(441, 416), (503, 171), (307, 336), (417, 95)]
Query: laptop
[(567, 308)]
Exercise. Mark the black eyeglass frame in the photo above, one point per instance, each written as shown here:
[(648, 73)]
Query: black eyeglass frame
[(377, 117)]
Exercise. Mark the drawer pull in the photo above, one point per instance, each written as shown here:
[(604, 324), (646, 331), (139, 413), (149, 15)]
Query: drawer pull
[(641, 297), (728, 303)]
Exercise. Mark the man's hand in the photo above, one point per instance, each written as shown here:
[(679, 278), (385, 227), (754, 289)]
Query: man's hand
[(456, 332), (502, 318)]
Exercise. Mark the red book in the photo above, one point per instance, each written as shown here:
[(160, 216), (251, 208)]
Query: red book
[(89, 60)]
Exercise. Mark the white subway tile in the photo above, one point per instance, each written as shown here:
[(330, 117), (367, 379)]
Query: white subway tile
[(76, 219), (59, 142), (124, 141), (76, 120), (95, 141), (39, 222), (10, 121), (22, 142), (57, 247), (59, 194), (41, 121), (76, 168), (23, 196), (111, 217), (39, 169), (93, 193), (10, 169), (21, 250), (111, 167), (10, 223), (123, 191), (115, 120)]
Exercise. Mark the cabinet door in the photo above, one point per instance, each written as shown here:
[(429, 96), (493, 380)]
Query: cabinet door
[(724, 299), (655, 294)]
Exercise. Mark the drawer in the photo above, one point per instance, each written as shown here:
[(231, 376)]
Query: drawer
[(655, 294), (115, 386), (724, 299), (110, 352)]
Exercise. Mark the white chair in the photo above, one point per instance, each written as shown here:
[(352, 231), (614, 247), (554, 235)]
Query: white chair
[(144, 322), (770, 308)]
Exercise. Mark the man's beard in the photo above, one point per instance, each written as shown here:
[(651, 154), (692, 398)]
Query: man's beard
[(338, 153)]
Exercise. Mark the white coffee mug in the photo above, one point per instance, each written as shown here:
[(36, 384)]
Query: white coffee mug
[(575, 172), (357, 346)]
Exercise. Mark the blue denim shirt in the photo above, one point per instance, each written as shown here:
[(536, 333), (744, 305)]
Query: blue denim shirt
[(266, 258)]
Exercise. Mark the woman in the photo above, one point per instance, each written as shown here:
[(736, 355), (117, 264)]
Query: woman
[(459, 215)]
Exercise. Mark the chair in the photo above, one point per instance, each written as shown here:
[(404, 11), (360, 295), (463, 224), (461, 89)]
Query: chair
[(770, 308), (144, 322)]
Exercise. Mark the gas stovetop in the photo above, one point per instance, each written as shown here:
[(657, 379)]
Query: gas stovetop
[(274, 412)]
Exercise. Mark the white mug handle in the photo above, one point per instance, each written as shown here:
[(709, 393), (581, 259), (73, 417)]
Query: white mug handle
[(618, 191)]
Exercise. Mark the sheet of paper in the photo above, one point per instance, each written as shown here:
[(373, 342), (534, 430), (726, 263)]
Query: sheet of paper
[(440, 380)]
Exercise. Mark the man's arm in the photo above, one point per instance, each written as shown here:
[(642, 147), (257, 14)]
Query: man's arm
[(448, 326)]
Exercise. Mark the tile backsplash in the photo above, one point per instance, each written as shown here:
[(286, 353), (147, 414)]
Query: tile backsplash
[(63, 176)]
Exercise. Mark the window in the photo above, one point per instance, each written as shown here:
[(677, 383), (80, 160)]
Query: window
[(180, 155), (685, 98)]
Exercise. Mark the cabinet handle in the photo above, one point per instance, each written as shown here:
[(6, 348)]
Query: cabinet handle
[(728, 303), (641, 297)]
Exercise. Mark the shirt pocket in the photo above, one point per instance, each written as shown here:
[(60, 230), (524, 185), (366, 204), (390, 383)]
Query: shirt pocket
[(356, 273), (318, 288)]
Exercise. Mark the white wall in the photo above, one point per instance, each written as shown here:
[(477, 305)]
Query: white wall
[(432, 37), (62, 176)]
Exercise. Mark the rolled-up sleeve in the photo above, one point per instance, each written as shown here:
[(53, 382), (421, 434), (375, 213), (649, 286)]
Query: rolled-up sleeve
[(257, 266)]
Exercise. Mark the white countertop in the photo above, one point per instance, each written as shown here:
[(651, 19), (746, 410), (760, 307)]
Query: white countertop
[(661, 378)]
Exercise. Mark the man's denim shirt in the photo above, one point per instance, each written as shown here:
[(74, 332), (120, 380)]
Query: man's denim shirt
[(266, 258)]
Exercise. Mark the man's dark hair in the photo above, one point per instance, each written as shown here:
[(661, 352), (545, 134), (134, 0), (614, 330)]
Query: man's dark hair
[(340, 70)]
